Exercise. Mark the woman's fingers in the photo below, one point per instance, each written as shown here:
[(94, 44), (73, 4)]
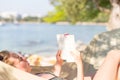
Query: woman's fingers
[(76, 55), (58, 57)]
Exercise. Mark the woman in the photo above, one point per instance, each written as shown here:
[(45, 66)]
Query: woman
[(109, 70), (20, 62)]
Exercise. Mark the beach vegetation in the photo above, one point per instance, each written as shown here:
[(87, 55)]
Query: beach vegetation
[(79, 10), (31, 19), (54, 17)]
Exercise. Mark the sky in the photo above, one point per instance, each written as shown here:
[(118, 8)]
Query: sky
[(31, 7)]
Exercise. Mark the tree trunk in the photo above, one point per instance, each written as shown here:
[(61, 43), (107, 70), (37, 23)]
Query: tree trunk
[(114, 20)]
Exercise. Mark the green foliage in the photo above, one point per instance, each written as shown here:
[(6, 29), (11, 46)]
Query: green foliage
[(78, 10), (102, 17), (54, 17), (72, 8), (89, 12), (29, 18), (105, 3)]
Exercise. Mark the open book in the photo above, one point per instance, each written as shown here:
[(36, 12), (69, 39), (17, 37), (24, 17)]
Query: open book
[(66, 43), (8, 72)]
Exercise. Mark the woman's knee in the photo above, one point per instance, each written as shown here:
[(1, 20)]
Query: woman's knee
[(114, 54)]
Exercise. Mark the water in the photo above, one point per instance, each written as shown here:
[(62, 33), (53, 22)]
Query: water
[(41, 38)]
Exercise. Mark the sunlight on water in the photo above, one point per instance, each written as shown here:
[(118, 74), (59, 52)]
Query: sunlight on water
[(41, 38)]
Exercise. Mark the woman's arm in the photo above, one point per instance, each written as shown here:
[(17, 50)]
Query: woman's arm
[(78, 61), (58, 65)]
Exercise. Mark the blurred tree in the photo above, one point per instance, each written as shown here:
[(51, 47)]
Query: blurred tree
[(32, 19), (112, 7), (91, 10), (114, 20), (53, 17), (82, 10)]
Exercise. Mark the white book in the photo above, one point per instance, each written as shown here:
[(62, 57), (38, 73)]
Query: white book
[(66, 43)]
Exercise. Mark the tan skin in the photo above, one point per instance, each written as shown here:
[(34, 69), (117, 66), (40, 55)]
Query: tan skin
[(19, 62), (109, 70), (59, 62), (110, 67)]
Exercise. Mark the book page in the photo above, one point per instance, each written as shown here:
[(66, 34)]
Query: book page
[(67, 44)]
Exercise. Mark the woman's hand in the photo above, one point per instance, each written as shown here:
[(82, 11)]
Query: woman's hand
[(76, 55), (59, 60)]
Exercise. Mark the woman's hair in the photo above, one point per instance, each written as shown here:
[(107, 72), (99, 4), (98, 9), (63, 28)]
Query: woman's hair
[(4, 56)]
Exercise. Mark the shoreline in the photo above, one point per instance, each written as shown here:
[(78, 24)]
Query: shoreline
[(91, 23), (60, 23)]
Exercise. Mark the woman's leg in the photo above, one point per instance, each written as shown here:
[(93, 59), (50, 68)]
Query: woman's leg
[(78, 60), (109, 68)]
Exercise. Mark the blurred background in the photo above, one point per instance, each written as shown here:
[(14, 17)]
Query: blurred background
[(31, 26)]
